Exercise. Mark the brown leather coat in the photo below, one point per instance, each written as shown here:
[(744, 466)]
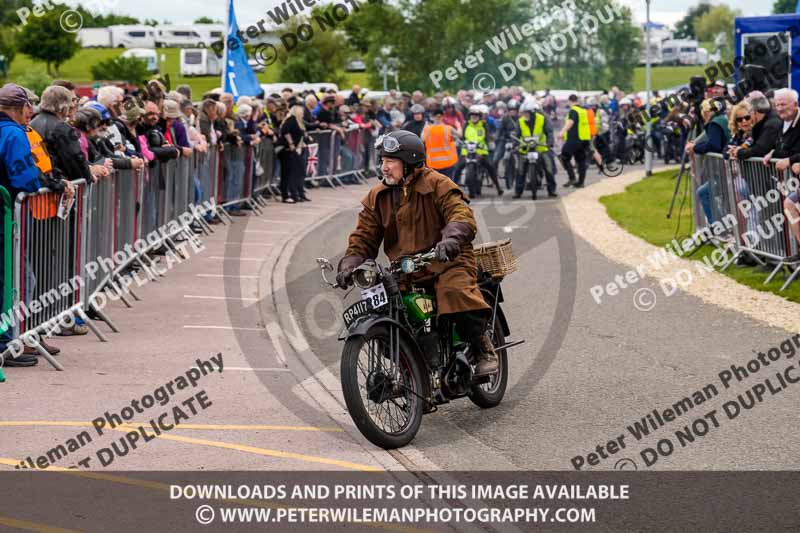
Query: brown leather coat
[(410, 219)]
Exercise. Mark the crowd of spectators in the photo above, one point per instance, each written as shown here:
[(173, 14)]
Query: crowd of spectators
[(53, 140)]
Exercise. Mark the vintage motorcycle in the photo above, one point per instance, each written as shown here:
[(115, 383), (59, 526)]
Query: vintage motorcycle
[(400, 361), (535, 171), (474, 174)]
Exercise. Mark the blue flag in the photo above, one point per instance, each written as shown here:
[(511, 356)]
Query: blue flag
[(238, 77)]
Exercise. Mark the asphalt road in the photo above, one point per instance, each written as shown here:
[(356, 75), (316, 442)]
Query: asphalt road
[(587, 371)]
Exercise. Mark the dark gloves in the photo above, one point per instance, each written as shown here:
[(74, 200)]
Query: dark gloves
[(454, 236), (447, 250), (344, 278)]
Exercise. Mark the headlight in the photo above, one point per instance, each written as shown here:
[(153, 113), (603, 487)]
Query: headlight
[(407, 265), (365, 276)]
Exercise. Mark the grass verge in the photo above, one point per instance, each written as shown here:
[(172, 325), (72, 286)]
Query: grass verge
[(642, 208)]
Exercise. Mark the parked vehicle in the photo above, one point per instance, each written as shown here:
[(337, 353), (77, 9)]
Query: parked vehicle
[(135, 36), (209, 33), (680, 52), (95, 37), (169, 36), (150, 56), (200, 62)]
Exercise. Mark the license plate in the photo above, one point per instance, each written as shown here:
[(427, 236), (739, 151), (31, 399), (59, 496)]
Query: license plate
[(372, 299), (533, 156)]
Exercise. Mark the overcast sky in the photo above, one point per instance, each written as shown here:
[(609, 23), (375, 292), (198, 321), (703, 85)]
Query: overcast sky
[(250, 11)]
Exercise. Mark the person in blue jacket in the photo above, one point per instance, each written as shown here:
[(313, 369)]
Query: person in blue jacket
[(716, 136), (18, 173)]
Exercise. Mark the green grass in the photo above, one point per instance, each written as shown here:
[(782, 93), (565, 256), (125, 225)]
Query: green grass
[(665, 77), (642, 208), (77, 70)]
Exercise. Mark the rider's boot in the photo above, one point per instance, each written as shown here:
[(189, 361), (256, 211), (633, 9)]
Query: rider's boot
[(486, 361)]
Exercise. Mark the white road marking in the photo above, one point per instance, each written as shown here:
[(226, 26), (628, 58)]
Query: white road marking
[(227, 328), (236, 258), (248, 369), (225, 276), (200, 297)]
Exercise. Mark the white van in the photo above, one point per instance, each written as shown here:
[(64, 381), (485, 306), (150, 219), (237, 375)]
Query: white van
[(679, 52), (200, 62), (138, 36), (178, 37), (148, 54)]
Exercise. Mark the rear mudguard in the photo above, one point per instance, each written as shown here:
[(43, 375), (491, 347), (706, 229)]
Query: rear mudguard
[(488, 291), (360, 327)]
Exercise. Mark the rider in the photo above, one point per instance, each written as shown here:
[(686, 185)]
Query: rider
[(533, 123), (416, 209), (475, 132), (508, 126)]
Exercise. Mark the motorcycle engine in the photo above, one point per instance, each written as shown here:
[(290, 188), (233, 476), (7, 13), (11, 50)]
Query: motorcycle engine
[(430, 343)]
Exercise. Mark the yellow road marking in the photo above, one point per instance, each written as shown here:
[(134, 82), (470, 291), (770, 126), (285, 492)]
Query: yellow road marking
[(165, 488), (232, 427), (269, 453), (32, 526), (216, 444)]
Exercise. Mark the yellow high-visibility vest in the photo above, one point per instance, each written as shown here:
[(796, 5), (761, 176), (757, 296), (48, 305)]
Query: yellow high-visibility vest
[(538, 129), (584, 133)]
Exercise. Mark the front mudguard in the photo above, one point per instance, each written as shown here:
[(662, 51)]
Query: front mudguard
[(362, 325)]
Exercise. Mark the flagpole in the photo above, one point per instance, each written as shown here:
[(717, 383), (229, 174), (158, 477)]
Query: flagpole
[(225, 48)]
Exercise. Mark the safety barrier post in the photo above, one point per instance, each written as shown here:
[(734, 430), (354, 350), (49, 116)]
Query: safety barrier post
[(8, 269)]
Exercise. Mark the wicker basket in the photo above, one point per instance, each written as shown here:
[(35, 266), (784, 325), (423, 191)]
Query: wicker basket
[(496, 258)]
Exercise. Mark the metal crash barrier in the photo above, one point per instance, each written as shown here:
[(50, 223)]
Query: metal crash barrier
[(60, 258), (747, 197)]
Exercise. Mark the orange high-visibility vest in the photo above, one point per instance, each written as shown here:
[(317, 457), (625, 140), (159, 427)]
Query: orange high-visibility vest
[(42, 206), (592, 122), (40, 156), (440, 150)]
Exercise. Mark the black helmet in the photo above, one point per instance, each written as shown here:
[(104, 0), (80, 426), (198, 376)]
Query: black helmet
[(402, 145)]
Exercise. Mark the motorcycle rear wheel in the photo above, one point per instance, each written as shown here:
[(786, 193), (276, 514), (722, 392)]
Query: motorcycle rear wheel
[(612, 168), (393, 420), (488, 395)]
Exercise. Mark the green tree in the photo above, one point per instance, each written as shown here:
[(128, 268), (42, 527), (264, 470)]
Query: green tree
[(44, 39), (465, 29), (319, 58), (150, 22), (35, 79), (8, 11), (685, 28), (622, 43), (8, 47), (784, 6), (207, 20), (603, 46), (129, 69), (90, 20), (719, 20)]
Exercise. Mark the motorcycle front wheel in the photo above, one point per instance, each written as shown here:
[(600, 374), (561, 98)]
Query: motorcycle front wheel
[(384, 399), (471, 179), (488, 395)]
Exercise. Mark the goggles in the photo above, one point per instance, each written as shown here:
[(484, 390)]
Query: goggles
[(389, 144)]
